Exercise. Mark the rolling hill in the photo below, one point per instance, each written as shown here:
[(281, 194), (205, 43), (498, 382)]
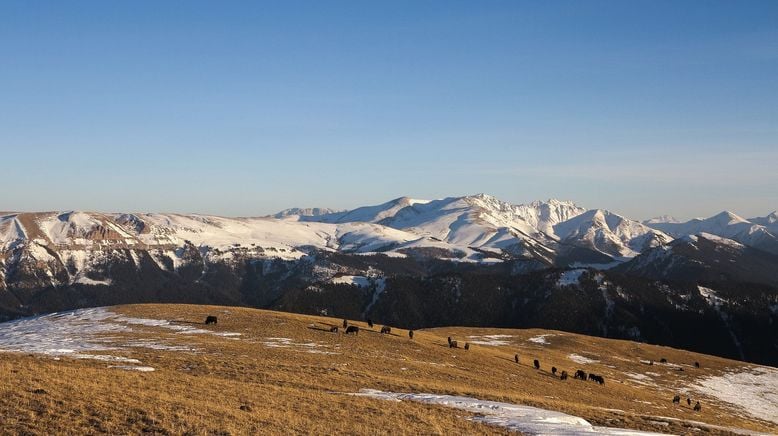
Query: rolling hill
[(158, 369)]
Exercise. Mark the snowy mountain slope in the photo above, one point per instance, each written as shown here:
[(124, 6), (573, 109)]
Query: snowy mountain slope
[(727, 225), (609, 233), (544, 215), (662, 219), (308, 211), (770, 222), (705, 257)]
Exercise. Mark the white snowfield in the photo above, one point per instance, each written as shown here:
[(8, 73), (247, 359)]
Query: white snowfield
[(87, 334), (753, 391), (514, 417)]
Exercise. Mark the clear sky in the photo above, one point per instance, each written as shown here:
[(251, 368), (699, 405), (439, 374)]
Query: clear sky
[(245, 108)]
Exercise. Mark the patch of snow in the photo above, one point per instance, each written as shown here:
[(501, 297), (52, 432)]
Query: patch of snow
[(133, 368), (308, 347), (581, 359), (570, 277), (540, 339), (490, 340), (360, 281), (753, 391), (514, 417), (81, 333)]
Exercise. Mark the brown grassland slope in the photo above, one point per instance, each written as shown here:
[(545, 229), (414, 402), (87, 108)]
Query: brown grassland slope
[(286, 373)]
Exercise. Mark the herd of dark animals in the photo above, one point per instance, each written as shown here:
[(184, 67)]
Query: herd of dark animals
[(579, 374)]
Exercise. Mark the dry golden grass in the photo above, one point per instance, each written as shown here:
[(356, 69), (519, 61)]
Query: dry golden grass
[(243, 386)]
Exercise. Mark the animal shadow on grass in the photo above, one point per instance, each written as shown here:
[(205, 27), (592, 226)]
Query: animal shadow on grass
[(180, 321), (328, 327)]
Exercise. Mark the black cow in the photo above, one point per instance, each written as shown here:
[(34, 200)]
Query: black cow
[(696, 364), (553, 370), (370, 323), (663, 360), (452, 344), (536, 363), (334, 329), (697, 407), (677, 399), (563, 376), (410, 334), (386, 329), (597, 378), (467, 345), (210, 319), (352, 329), (580, 374)]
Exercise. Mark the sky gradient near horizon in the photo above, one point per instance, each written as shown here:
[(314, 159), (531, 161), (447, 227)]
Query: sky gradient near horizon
[(245, 108)]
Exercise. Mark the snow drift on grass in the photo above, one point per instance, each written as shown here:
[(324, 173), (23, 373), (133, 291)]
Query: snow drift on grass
[(490, 340), (81, 333), (540, 339), (754, 390), (133, 368), (307, 347), (581, 359), (514, 417)]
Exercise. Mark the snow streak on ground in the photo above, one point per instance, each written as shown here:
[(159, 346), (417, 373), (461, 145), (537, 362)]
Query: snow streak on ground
[(514, 417), (540, 339), (490, 340), (308, 347), (581, 359), (80, 334), (754, 390)]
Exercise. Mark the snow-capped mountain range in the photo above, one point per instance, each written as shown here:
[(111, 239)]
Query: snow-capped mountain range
[(478, 228)]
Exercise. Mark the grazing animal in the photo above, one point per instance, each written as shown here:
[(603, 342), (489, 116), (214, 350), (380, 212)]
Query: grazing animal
[(352, 329), (516, 358), (386, 329), (697, 407), (210, 319), (370, 323), (677, 399), (467, 345), (553, 370), (663, 360), (696, 364), (345, 323), (452, 344), (563, 376), (449, 341), (580, 374), (536, 363), (597, 378), (334, 329), (410, 334), (688, 401)]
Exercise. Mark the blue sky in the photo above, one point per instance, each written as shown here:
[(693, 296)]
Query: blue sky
[(245, 108)]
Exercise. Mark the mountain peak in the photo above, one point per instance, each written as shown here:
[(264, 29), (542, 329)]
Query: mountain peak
[(727, 217), (662, 219)]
